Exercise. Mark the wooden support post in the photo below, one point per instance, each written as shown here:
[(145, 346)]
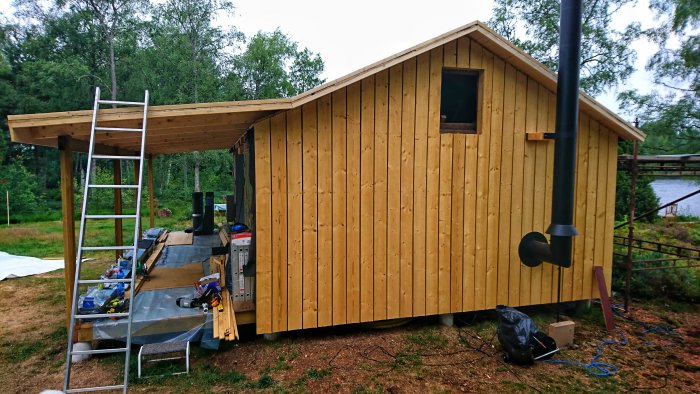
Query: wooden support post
[(67, 208), (604, 300), (136, 181), (118, 229), (151, 205)]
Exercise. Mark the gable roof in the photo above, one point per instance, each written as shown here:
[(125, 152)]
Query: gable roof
[(203, 126)]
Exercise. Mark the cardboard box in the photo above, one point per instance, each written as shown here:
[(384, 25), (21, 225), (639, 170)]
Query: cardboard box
[(563, 333)]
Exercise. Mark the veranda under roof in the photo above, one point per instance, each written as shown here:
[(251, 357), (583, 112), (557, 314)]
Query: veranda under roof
[(205, 126)]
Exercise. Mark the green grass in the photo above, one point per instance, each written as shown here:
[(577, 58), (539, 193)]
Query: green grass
[(427, 338), (15, 352), (45, 239)]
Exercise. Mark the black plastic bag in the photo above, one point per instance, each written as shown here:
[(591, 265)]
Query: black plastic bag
[(520, 338)]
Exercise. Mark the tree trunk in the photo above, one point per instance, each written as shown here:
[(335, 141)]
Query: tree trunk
[(112, 65), (184, 173), (196, 171)]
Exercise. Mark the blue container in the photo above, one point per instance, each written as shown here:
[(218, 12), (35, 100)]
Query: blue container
[(89, 302)]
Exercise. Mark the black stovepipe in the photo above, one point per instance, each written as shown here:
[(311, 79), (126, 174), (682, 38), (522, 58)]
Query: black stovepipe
[(534, 248)]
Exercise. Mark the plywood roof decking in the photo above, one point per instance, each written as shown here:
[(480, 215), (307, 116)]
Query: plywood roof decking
[(191, 127)]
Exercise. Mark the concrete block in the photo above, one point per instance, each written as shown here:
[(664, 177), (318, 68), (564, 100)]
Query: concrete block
[(447, 319), (563, 333), (272, 337)]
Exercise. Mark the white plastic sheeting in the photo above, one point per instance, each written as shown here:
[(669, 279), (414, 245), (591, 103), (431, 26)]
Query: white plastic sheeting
[(12, 266)]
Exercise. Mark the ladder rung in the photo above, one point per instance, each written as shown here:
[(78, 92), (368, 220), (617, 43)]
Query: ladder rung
[(116, 157), (97, 281), (113, 102), (124, 129), (101, 388), (88, 248), (100, 351), (101, 315), (110, 216), (114, 186)]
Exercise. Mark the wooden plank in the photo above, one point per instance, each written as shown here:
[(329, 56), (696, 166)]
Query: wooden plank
[(457, 224), (353, 203), (604, 300), (381, 121), (367, 201), (263, 228), (445, 221), (148, 265), (310, 217), (394, 192), (483, 184), (580, 211), (325, 213), (494, 180), (420, 161), (445, 203), (278, 166), (516, 209), (506, 184), (538, 212), (591, 196), (408, 114), (470, 185), (65, 156), (610, 205), (528, 184), (433, 183), (339, 134), (179, 238), (549, 271), (601, 201)]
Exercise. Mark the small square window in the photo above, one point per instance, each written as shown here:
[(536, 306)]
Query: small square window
[(459, 101)]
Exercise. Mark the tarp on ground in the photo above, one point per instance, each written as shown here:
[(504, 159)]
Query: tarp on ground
[(12, 266)]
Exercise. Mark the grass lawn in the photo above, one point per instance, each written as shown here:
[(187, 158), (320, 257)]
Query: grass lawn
[(45, 239)]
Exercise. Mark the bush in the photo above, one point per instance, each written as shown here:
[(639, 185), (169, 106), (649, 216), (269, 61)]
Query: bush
[(680, 284), (645, 200)]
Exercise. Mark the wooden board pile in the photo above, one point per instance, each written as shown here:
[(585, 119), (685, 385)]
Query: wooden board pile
[(225, 326)]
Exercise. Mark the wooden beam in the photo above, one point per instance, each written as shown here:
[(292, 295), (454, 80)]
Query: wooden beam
[(118, 233), (66, 166), (151, 214), (136, 180)]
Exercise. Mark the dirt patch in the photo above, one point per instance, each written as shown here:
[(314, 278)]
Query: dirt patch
[(416, 358)]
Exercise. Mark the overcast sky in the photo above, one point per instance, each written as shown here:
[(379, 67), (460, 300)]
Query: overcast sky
[(350, 35)]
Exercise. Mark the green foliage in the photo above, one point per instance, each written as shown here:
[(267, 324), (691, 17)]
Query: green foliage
[(272, 66), (645, 198), (670, 114), (23, 189), (53, 54), (607, 58), (680, 284)]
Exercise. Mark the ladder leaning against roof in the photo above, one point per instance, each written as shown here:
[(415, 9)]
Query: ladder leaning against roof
[(89, 185)]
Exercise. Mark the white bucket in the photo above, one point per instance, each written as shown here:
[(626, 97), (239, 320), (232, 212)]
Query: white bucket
[(80, 346)]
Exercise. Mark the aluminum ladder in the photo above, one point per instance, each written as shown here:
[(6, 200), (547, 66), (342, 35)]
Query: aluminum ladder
[(82, 248)]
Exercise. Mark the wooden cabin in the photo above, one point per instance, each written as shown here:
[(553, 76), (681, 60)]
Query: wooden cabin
[(400, 190)]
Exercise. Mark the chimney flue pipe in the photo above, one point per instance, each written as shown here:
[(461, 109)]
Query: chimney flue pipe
[(534, 249)]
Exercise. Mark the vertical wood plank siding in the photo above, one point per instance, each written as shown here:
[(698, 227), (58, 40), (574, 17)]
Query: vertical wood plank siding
[(366, 211)]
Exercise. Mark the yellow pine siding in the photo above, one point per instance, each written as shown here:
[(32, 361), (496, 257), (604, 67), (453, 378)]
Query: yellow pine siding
[(365, 211)]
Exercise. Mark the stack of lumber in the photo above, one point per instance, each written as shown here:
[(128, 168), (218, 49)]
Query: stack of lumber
[(225, 326)]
